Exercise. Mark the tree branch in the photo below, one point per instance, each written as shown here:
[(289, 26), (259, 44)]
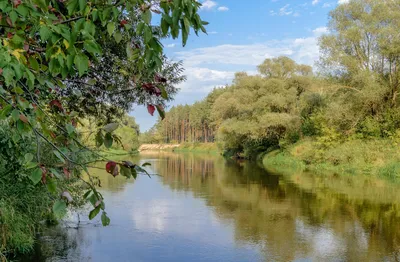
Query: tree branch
[(69, 20)]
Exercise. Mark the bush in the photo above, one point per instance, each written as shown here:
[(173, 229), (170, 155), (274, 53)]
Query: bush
[(25, 208)]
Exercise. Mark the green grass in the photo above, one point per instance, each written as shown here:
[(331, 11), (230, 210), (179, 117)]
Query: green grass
[(117, 152), (376, 158), (198, 148)]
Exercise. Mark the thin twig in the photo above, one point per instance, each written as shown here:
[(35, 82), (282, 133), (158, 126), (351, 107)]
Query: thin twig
[(69, 20)]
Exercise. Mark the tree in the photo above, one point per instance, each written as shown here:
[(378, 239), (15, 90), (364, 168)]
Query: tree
[(51, 49), (364, 44)]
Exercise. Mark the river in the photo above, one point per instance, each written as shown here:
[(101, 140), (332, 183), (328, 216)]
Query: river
[(205, 208)]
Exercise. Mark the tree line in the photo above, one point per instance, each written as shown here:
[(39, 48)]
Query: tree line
[(354, 95)]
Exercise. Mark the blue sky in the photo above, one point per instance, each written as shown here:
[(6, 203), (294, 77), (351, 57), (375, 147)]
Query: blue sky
[(241, 34)]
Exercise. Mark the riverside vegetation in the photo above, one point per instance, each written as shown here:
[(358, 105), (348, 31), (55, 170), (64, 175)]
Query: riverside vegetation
[(344, 119), (69, 72)]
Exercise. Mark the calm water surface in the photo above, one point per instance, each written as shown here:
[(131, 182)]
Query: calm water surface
[(205, 208)]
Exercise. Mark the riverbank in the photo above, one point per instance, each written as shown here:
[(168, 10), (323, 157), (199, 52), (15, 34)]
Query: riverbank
[(185, 147), (376, 158)]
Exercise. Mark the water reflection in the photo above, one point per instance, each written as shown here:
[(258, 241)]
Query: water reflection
[(204, 208)]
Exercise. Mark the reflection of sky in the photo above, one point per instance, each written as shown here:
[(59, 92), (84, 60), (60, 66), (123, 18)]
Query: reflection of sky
[(326, 244), (150, 222)]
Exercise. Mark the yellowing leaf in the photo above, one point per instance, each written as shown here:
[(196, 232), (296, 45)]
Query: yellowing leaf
[(17, 53), (66, 43)]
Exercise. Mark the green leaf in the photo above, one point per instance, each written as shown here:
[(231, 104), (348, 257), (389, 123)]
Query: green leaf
[(118, 37), (15, 114), (82, 63), (125, 171), (70, 129), (51, 185), (161, 111), (45, 33), (5, 111), (134, 173), (164, 26), (8, 75), (58, 155), (30, 165), (105, 220), (108, 140), (56, 173), (148, 35), (94, 213), (186, 24), (92, 47), (163, 92), (111, 127), (36, 175), (60, 208), (28, 157), (20, 125), (99, 139), (139, 29), (14, 16), (42, 4), (110, 28), (142, 170), (146, 16), (82, 5), (22, 10), (87, 194), (72, 5)]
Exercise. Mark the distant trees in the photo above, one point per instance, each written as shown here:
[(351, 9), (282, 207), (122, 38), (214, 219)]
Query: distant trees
[(354, 96)]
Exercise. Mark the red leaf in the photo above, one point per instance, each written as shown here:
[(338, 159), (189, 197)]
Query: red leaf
[(151, 109), (9, 35), (66, 172), (26, 47), (123, 22), (57, 104), (9, 22), (1, 71), (112, 168), (44, 172), (23, 118), (17, 3)]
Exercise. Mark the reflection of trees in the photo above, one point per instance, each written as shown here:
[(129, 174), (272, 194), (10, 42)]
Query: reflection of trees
[(285, 221), (59, 243)]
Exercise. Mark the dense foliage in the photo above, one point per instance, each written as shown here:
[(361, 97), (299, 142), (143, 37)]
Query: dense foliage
[(62, 62), (355, 96)]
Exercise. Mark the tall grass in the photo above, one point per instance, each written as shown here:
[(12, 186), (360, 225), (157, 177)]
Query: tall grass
[(379, 158)]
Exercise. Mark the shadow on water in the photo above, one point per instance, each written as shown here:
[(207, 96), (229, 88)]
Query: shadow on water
[(206, 208)]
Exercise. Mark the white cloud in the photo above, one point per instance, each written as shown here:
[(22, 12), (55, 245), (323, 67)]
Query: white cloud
[(206, 67), (208, 5), (285, 10), (223, 8), (326, 5), (314, 2), (171, 45), (343, 2), (213, 33), (320, 30)]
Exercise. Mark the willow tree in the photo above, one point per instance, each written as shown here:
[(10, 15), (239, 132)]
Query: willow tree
[(46, 45)]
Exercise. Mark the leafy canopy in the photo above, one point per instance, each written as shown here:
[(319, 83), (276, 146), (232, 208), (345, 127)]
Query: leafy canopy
[(45, 45)]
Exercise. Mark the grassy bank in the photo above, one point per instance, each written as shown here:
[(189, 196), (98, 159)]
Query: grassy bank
[(198, 148), (374, 158)]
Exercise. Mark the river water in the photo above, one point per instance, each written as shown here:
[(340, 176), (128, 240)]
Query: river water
[(205, 208)]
